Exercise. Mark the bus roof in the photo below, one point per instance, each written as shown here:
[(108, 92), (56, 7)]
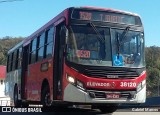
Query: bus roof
[(2, 72), (107, 9)]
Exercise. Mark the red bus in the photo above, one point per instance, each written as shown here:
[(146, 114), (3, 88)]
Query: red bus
[(85, 55)]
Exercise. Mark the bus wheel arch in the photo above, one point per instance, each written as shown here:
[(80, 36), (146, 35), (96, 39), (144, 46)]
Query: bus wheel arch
[(45, 93)]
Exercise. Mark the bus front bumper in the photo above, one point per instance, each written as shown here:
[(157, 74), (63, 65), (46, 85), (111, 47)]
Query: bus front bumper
[(76, 95)]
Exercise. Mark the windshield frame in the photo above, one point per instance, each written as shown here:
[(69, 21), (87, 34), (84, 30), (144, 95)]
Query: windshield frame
[(111, 45)]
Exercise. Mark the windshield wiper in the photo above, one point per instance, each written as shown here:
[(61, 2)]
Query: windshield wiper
[(124, 33), (97, 32), (102, 52), (118, 43), (120, 38)]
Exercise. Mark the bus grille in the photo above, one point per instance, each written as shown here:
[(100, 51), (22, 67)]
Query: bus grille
[(111, 74)]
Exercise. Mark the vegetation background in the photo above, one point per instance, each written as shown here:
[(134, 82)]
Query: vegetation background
[(152, 57)]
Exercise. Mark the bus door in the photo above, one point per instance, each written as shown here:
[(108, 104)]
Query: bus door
[(25, 56), (58, 62)]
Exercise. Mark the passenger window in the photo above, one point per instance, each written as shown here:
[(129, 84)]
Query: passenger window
[(40, 53), (8, 63), (34, 44), (19, 57), (49, 43), (42, 40), (50, 35), (40, 49), (49, 50), (11, 61), (33, 48), (33, 56)]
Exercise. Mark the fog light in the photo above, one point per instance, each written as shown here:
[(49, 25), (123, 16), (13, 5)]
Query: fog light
[(143, 83), (139, 87), (80, 84)]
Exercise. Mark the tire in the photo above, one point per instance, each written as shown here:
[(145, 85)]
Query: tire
[(17, 102), (45, 100), (108, 109)]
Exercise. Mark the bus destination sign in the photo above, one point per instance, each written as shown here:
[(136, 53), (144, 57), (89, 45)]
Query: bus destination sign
[(106, 17)]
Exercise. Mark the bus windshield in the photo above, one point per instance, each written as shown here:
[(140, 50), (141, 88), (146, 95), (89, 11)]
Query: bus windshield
[(86, 47), (129, 47)]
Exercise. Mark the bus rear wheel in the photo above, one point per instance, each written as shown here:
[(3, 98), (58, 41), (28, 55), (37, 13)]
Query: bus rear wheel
[(46, 97), (17, 102), (15, 97)]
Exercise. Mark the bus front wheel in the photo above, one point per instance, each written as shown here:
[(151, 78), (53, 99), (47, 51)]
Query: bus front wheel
[(46, 97)]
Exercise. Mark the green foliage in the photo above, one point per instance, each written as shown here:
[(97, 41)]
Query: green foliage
[(7, 43), (152, 56)]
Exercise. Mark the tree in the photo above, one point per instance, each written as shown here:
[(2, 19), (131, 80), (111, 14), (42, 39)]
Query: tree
[(152, 56), (7, 43)]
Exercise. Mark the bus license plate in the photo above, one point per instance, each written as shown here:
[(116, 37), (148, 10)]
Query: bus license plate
[(112, 96)]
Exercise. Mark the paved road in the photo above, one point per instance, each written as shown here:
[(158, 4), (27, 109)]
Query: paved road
[(122, 111), (88, 111), (85, 110)]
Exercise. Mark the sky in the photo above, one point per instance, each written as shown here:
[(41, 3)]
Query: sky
[(23, 17)]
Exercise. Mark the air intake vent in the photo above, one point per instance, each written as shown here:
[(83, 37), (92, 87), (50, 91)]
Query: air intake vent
[(107, 72), (111, 74)]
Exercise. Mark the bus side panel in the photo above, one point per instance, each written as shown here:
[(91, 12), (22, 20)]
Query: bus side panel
[(35, 78)]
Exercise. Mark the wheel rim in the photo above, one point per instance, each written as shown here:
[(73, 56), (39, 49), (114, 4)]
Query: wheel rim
[(47, 99)]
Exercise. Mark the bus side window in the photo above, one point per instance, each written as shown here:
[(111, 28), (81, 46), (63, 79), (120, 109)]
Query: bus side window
[(11, 62), (15, 60), (49, 43), (33, 48), (8, 63), (19, 57), (40, 48)]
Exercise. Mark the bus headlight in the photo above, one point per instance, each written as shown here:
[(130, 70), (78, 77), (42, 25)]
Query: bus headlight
[(141, 85), (75, 82), (71, 79)]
